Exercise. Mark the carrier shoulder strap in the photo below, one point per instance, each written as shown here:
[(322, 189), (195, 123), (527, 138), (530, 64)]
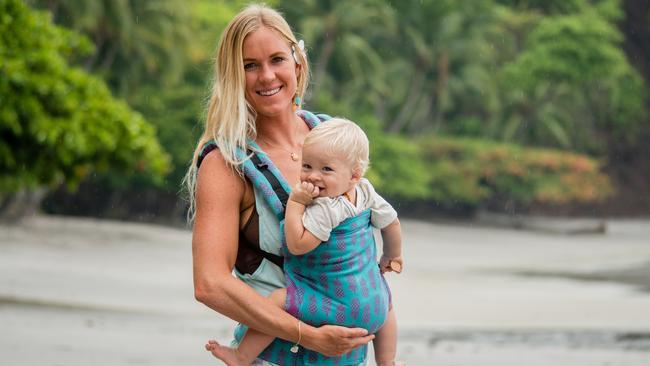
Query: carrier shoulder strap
[(253, 168), (277, 187)]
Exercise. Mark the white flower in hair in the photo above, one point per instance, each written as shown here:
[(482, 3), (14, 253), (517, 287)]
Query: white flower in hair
[(301, 47)]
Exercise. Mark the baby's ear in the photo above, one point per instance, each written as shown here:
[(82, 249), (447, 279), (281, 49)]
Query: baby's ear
[(356, 175)]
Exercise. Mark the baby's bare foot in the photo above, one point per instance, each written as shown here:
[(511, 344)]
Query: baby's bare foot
[(228, 355)]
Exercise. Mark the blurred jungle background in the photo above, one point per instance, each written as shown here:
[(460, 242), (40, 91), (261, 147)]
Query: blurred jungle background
[(504, 105)]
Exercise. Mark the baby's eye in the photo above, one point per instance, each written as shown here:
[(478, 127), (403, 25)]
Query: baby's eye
[(249, 66), (306, 166), (328, 169)]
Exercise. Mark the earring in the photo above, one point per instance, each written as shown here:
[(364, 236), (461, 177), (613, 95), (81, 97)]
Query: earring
[(297, 101)]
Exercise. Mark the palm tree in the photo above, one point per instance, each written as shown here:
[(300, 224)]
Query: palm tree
[(134, 40), (444, 45), (343, 36)]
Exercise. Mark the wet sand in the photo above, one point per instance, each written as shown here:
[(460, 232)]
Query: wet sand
[(81, 291)]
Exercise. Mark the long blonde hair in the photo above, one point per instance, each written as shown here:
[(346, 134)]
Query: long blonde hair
[(230, 119)]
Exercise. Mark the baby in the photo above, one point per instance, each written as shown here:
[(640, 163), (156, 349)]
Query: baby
[(330, 260)]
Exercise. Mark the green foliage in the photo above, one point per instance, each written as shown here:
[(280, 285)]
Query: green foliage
[(396, 167), (443, 71), (473, 172), (175, 113), (177, 109), (135, 41), (560, 46), (572, 87), (546, 6), (57, 122), (609, 9), (156, 55), (535, 73), (530, 72), (538, 73), (207, 18), (342, 38)]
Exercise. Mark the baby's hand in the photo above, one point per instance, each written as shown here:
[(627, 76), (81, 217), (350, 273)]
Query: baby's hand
[(390, 264), (304, 193)]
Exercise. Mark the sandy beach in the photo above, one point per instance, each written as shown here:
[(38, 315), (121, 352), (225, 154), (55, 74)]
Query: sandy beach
[(82, 291)]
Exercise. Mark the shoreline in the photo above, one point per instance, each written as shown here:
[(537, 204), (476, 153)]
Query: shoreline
[(111, 293)]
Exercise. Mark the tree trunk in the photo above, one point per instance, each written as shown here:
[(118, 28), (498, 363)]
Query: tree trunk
[(323, 60), (18, 205), (442, 68), (412, 98)]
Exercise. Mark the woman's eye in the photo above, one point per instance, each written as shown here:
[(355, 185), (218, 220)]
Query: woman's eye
[(278, 59), (249, 66)]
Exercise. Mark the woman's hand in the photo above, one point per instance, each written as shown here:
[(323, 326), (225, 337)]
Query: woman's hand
[(334, 340)]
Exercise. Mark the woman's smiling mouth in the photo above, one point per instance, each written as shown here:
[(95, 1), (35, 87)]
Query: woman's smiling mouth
[(269, 92)]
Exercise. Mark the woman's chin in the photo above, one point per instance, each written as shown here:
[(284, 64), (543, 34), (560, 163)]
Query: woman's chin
[(273, 109)]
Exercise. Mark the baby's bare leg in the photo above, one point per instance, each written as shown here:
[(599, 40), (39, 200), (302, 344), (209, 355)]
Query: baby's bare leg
[(251, 344), (254, 342), (385, 342)]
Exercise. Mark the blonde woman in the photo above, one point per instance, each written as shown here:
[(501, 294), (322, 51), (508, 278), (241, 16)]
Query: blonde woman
[(261, 74)]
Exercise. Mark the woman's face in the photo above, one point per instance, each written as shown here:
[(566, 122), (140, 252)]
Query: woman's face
[(271, 73)]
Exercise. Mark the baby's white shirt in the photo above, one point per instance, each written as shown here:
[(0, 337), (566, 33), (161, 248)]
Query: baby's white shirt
[(325, 213)]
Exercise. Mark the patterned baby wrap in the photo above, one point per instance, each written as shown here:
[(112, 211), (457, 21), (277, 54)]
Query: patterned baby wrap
[(338, 283)]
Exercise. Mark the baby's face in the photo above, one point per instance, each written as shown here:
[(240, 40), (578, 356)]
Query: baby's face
[(332, 174)]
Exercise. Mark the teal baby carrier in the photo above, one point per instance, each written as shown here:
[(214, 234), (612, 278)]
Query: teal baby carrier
[(336, 283)]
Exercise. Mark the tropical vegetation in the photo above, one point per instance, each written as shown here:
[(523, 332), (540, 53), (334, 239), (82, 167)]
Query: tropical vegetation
[(58, 122), (466, 102)]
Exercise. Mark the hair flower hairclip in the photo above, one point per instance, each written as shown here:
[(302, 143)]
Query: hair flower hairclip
[(301, 47)]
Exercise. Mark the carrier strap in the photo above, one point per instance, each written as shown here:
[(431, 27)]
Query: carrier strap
[(279, 190), (276, 259)]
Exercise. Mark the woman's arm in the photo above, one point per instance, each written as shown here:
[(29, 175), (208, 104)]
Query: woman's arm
[(214, 250)]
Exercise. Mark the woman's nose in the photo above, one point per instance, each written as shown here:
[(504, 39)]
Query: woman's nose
[(266, 73)]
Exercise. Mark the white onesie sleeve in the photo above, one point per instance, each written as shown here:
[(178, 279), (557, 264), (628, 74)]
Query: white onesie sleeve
[(382, 213), (323, 215)]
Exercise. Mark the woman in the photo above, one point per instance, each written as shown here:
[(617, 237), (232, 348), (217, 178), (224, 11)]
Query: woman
[(261, 75)]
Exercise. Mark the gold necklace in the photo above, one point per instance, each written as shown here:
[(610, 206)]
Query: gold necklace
[(294, 156)]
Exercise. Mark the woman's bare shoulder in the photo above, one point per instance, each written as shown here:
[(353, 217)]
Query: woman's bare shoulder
[(217, 178)]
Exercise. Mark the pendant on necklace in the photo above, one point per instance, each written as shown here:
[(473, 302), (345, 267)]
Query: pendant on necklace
[(294, 156)]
